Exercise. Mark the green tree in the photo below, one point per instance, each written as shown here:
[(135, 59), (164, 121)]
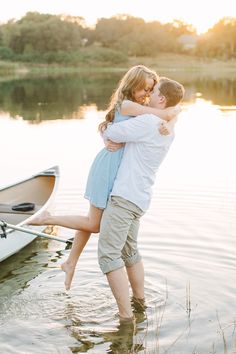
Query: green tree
[(220, 40), (42, 33), (108, 31)]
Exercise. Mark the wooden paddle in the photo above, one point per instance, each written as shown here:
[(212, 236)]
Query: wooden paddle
[(33, 232)]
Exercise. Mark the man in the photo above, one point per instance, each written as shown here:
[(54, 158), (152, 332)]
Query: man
[(144, 151)]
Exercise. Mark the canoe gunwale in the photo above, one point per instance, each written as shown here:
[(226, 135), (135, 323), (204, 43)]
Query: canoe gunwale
[(53, 172)]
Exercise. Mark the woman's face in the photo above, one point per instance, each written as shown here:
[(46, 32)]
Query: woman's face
[(140, 96)]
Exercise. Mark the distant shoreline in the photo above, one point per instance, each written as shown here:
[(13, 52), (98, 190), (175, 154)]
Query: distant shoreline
[(165, 62)]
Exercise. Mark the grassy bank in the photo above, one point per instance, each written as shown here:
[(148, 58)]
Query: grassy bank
[(163, 63), (171, 62)]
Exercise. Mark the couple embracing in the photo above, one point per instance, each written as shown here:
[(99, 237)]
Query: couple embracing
[(138, 131)]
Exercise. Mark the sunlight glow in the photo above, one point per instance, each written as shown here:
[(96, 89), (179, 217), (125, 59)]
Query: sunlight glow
[(200, 128), (90, 112), (194, 13)]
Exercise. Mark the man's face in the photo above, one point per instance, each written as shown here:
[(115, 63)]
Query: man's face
[(157, 100)]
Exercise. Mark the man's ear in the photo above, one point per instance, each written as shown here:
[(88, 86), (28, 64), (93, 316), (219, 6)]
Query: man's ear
[(162, 99)]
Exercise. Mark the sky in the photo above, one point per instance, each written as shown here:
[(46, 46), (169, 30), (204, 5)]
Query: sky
[(202, 14)]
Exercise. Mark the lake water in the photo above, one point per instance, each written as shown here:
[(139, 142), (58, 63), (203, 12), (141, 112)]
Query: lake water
[(187, 237)]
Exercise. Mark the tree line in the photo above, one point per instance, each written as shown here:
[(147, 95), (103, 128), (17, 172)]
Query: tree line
[(67, 39)]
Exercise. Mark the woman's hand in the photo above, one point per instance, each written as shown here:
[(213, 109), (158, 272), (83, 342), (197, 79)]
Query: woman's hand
[(112, 146), (173, 111), (167, 127), (164, 129)]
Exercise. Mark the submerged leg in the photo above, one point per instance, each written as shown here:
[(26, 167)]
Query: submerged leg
[(136, 279), (120, 288)]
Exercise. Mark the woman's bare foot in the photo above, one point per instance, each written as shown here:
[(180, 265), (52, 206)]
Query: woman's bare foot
[(40, 219), (69, 270)]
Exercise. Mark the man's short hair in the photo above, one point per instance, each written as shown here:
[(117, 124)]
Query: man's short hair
[(172, 90)]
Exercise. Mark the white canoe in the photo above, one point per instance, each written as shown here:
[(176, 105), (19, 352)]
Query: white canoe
[(28, 197)]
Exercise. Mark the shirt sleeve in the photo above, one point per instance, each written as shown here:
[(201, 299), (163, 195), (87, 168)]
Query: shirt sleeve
[(132, 130)]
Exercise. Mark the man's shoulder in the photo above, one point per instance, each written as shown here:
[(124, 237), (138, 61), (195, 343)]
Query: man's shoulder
[(148, 117)]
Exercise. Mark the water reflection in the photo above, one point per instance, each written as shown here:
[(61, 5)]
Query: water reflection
[(125, 337), (187, 236), (221, 92), (25, 263), (123, 340), (63, 97)]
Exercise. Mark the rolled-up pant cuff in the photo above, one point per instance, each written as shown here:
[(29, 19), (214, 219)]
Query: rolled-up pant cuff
[(115, 264), (108, 267), (135, 258)]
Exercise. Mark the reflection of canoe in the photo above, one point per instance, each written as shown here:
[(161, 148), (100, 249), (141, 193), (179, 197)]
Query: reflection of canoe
[(19, 202)]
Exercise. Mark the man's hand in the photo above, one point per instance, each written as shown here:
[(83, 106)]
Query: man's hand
[(112, 146)]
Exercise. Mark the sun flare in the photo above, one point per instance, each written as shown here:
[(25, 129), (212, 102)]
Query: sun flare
[(194, 13)]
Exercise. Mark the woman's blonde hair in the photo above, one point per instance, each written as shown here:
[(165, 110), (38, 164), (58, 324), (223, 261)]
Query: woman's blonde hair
[(133, 80)]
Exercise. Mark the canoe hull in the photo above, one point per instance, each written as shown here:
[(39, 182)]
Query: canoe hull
[(41, 189), (14, 242)]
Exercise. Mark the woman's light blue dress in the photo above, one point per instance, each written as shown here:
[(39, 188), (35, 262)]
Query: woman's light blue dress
[(103, 172)]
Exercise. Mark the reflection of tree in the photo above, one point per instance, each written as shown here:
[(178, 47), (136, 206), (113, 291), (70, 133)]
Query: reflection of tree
[(53, 98), (18, 271), (217, 87), (64, 97), (220, 92)]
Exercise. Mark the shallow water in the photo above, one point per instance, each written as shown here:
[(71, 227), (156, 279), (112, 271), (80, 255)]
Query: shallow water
[(187, 240)]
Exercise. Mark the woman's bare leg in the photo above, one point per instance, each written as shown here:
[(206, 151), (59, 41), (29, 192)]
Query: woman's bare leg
[(80, 240), (90, 223)]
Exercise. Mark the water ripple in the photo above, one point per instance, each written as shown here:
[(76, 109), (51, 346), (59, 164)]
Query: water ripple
[(187, 241)]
